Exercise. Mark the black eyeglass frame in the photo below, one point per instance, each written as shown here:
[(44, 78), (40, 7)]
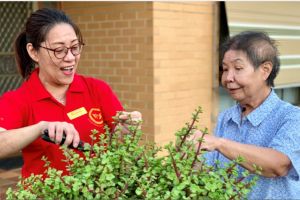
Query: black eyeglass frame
[(66, 50)]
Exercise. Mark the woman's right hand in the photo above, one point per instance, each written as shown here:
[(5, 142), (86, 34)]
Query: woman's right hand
[(56, 130)]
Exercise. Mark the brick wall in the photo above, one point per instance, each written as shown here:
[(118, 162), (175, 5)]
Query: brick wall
[(119, 49), (183, 65), (157, 56)]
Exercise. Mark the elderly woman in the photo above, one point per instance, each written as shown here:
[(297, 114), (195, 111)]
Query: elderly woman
[(260, 127)]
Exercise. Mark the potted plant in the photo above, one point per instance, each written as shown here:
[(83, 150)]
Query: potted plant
[(119, 167)]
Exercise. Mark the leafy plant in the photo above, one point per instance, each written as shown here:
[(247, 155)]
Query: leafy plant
[(117, 166)]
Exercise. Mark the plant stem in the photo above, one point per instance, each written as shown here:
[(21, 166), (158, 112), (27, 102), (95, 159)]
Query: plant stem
[(184, 153), (121, 192), (197, 152), (190, 128), (239, 180), (110, 138), (229, 170), (144, 193), (175, 166), (146, 161), (238, 193)]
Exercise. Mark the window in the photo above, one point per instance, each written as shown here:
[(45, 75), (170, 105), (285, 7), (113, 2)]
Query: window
[(291, 95)]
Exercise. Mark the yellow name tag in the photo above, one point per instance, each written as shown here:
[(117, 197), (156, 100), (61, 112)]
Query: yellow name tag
[(77, 113)]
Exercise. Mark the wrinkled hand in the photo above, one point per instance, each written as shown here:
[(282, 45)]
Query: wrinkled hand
[(130, 118), (56, 130), (210, 142), (126, 119)]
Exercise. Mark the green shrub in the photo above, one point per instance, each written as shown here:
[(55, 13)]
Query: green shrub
[(119, 167)]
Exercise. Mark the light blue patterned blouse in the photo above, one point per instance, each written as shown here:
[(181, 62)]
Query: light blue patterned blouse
[(274, 124)]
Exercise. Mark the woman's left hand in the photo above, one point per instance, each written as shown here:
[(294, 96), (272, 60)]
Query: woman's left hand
[(126, 119), (130, 118), (210, 142)]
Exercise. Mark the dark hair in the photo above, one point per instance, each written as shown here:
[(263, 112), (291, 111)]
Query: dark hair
[(259, 48), (36, 29)]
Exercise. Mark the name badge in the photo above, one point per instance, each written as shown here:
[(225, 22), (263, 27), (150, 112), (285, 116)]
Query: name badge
[(77, 113)]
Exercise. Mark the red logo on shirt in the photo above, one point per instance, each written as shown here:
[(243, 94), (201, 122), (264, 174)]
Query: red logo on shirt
[(96, 116)]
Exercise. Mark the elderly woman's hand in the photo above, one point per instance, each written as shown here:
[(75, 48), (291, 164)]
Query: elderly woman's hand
[(130, 118), (126, 119), (210, 142)]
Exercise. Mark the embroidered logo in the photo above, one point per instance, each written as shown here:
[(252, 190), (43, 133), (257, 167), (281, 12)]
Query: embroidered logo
[(96, 116)]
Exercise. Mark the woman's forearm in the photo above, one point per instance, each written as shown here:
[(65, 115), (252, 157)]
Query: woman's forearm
[(272, 162), (12, 141)]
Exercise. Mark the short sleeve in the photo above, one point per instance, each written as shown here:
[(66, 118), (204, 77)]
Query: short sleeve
[(287, 141), (11, 111)]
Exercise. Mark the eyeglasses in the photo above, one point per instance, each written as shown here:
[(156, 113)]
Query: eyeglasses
[(61, 52)]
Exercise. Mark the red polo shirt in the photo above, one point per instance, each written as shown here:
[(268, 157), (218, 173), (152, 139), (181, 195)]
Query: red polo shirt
[(90, 104)]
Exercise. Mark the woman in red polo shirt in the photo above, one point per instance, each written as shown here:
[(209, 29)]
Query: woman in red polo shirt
[(52, 96)]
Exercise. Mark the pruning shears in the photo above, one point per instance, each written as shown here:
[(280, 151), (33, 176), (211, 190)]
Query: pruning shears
[(80, 147)]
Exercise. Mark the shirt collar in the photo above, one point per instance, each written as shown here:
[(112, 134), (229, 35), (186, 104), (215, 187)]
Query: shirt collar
[(262, 111), (236, 114), (77, 85), (257, 115), (39, 92)]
